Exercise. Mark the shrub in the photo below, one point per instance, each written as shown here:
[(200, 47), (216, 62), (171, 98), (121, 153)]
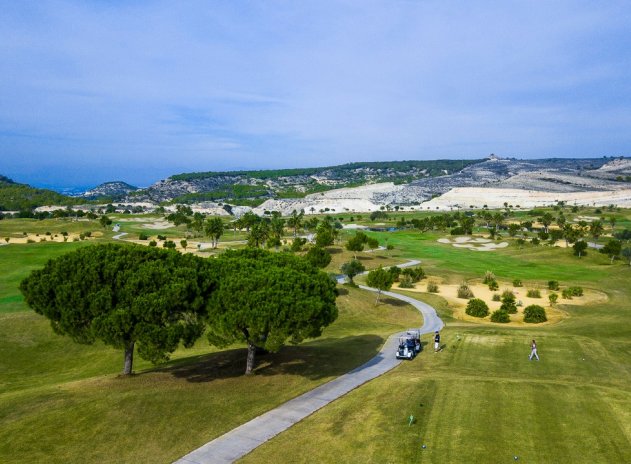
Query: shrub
[(184, 243), (464, 291), (457, 231), (319, 257), (553, 285), (500, 316), (553, 297), (488, 277), (566, 294), (297, 244), (415, 273), (508, 302), (432, 287), (406, 282), (88, 233), (169, 244), (575, 291), (496, 297), (81, 236), (395, 272), (517, 283), (534, 241), (533, 293), (508, 293), (142, 236), (162, 237), (47, 233), (477, 308), (535, 314), (153, 243), (390, 247), (493, 285)]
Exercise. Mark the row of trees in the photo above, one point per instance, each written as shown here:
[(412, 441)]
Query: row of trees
[(152, 300)]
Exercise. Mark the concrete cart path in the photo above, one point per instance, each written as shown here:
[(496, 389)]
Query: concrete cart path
[(245, 438)]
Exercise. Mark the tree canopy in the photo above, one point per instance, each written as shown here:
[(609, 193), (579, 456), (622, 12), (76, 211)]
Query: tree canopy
[(123, 295), (380, 279), (265, 299)]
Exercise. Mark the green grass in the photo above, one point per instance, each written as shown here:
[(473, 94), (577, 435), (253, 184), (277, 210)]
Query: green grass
[(63, 402), (480, 400)]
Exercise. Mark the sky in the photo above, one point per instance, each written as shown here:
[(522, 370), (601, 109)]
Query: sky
[(95, 91)]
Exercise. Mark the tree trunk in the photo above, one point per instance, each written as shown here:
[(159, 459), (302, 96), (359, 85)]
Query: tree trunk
[(378, 295), (129, 359), (249, 365)]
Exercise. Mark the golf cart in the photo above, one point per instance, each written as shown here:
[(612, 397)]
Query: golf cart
[(409, 345)]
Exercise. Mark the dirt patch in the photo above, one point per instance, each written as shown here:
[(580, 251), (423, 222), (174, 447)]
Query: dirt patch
[(481, 291)]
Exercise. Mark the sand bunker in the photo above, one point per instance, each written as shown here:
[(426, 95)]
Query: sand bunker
[(473, 243)]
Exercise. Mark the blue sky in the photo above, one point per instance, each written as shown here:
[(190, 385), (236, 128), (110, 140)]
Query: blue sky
[(139, 90)]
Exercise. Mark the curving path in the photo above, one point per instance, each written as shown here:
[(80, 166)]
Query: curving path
[(245, 438)]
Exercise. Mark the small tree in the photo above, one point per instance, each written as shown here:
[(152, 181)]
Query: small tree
[(123, 295), (579, 248), (214, 229), (477, 308), (380, 279), (535, 314), (372, 243), (508, 303), (356, 243), (493, 285), (297, 244), (318, 257), (352, 268), (626, 252), (183, 244), (105, 221), (613, 248), (553, 285), (553, 298)]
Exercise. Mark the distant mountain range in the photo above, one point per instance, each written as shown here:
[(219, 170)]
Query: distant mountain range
[(415, 181)]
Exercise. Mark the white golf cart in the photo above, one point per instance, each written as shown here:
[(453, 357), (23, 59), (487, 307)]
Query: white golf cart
[(409, 345)]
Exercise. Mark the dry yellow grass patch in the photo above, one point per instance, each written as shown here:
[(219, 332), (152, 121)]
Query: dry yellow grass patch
[(481, 291)]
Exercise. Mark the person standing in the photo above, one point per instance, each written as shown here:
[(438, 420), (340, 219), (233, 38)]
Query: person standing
[(436, 342), (533, 350)]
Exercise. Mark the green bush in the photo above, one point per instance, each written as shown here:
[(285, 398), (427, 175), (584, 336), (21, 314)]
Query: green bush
[(406, 282), (553, 297), (493, 285), (488, 277), (508, 302), (153, 243), (553, 285), (162, 237), (142, 236), (496, 297), (477, 308), (575, 291), (534, 314), (169, 244), (517, 283), (533, 293), (500, 316), (432, 287), (415, 273), (464, 291), (297, 244)]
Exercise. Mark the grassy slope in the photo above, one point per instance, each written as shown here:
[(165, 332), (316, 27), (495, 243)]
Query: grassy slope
[(62, 402), (481, 400)]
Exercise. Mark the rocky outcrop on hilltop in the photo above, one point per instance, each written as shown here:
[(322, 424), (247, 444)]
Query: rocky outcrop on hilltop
[(115, 190)]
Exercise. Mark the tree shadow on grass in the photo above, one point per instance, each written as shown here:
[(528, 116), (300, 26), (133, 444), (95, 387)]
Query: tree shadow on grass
[(393, 302), (313, 360)]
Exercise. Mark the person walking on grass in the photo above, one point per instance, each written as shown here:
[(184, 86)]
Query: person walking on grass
[(436, 342), (533, 350)]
